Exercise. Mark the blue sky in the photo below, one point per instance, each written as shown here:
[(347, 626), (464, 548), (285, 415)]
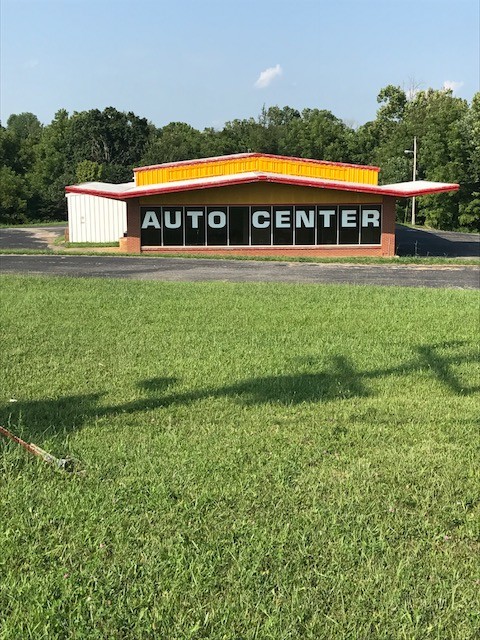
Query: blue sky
[(208, 61)]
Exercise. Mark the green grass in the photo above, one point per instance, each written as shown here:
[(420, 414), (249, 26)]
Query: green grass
[(260, 461), (38, 223), (407, 260), (61, 243), (86, 245), (347, 260)]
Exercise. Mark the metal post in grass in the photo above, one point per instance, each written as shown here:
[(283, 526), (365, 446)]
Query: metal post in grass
[(66, 464), (414, 177)]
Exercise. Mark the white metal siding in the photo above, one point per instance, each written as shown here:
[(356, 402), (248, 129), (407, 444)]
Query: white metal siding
[(95, 219)]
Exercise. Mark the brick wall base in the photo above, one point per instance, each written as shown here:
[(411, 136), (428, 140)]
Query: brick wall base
[(293, 252), (129, 245)]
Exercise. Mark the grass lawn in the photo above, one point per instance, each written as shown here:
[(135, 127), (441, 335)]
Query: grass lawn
[(90, 249), (38, 223), (260, 461)]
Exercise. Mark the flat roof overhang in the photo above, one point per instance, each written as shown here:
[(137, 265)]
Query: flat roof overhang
[(128, 190)]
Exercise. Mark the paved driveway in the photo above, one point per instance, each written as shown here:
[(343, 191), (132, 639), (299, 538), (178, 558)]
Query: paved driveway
[(195, 270), (419, 242), (30, 237), (174, 269), (409, 242)]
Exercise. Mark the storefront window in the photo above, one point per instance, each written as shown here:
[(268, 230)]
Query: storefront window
[(194, 226), (304, 225), (217, 220), (239, 226), (173, 227), (261, 225), (327, 225), (349, 227), (281, 225), (370, 230)]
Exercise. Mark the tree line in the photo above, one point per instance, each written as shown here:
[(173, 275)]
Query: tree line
[(37, 161)]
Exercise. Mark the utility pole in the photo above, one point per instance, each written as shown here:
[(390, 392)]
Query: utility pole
[(414, 153)]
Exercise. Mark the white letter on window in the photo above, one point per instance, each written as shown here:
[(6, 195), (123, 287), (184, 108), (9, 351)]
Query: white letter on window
[(327, 215), (282, 220), (150, 220), (349, 218), (305, 218), (221, 219), (168, 219), (370, 217), (256, 219), (195, 215)]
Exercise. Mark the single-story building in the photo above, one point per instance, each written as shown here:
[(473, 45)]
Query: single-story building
[(248, 203)]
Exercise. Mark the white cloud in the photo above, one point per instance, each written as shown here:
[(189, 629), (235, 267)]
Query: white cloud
[(267, 76), (452, 85)]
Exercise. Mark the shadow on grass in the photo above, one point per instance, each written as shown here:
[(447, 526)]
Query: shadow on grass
[(338, 381)]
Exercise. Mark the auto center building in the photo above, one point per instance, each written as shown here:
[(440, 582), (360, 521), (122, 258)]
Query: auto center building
[(249, 203)]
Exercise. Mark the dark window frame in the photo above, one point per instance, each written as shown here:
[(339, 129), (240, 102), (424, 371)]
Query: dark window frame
[(271, 208)]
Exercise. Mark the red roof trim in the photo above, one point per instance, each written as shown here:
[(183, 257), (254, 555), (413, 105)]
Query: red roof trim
[(89, 191), (235, 156), (386, 190), (210, 183)]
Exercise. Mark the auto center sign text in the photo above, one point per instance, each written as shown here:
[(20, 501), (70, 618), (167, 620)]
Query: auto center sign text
[(260, 225)]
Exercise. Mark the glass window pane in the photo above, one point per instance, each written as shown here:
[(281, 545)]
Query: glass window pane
[(305, 225), (194, 226), (349, 232), (239, 224), (261, 224), (217, 226), (172, 226), (371, 225), (282, 225), (327, 225), (150, 226)]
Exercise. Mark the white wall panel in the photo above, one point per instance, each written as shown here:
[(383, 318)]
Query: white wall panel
[(95, 219)]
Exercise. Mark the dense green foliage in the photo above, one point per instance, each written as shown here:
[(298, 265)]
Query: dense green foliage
[(261, 461), (36, 161)]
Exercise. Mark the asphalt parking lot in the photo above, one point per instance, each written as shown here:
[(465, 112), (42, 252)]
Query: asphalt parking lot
[(187, 269), (448, 244), (29, 237), (409, 242), (201, 270)]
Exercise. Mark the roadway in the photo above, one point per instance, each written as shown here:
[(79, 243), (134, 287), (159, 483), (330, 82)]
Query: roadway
[(195, 270), (204, 270)]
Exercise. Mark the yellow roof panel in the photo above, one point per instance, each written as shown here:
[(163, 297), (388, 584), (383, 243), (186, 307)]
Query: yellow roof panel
[(254, 162)]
